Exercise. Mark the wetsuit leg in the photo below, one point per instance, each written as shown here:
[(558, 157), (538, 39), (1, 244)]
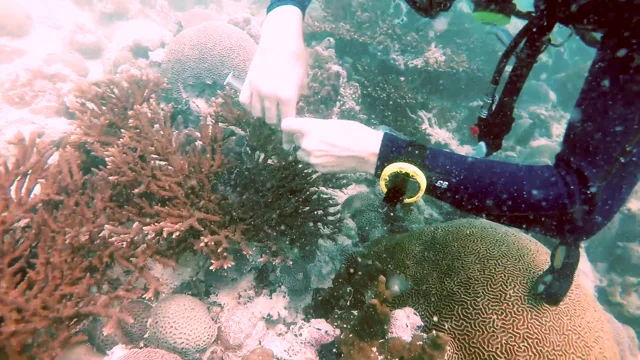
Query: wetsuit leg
[(598, 109)]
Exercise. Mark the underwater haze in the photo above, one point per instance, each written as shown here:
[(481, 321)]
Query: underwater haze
[(146, 214)]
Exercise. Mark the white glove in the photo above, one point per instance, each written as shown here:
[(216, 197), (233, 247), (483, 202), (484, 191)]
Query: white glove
[(277, 73), (335, 146)]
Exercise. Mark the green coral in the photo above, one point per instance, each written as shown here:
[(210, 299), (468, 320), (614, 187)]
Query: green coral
[(274, 196)]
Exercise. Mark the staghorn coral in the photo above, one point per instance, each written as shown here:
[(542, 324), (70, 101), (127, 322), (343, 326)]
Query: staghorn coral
[(129, 137), (474, 278), (205, 55), (54, 262), (127, 190)]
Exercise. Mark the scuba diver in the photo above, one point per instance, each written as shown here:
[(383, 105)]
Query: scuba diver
[(592, 176)]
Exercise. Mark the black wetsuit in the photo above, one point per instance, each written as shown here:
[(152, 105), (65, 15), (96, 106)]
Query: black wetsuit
[(598, 165)]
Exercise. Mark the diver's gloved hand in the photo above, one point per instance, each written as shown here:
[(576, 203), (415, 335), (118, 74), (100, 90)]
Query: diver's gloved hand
[(554, 283), (278, 70), (335, 146)]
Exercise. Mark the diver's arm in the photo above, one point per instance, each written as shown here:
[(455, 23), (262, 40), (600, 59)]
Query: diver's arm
[(593, 175), (300, 4)]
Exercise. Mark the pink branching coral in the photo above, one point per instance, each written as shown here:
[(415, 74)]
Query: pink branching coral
[(164, 181), (54, 258)]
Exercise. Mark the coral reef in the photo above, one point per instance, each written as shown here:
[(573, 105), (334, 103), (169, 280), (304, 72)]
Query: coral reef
[(144, 202), (114, 201), (328, 93), (129, 134), (396, 71), (373, 331), (40, 89), (473, 290)]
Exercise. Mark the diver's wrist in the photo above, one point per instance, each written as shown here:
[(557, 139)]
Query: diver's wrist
[(282, 24), (370, 151)]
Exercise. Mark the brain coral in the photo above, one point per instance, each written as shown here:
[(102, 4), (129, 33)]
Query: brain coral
[(206, 54), (181, 324), (470, 281), (148, 354), (140, 311)]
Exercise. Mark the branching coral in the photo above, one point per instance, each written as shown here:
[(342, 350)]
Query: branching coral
[(53, 261), (287, 209), (164, 181), (177, 189)]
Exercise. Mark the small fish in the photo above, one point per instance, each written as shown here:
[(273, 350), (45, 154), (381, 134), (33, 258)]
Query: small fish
[(503, 35)]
